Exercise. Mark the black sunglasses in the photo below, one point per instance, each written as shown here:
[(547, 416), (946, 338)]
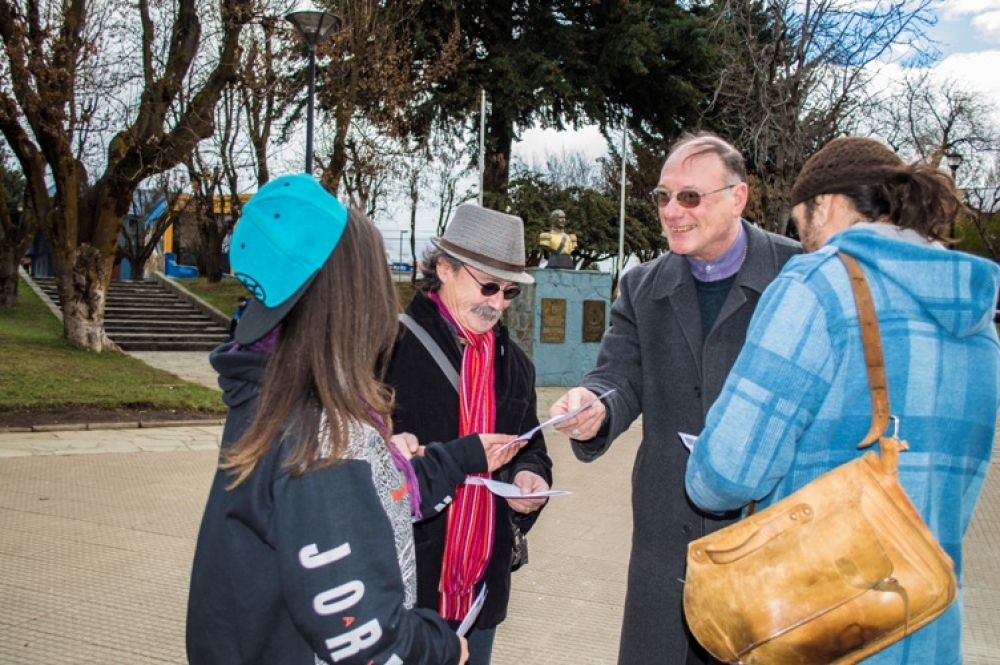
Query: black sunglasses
[(492, 288), (686, 198)]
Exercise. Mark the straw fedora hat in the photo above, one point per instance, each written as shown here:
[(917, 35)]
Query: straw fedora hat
[(486, 239)]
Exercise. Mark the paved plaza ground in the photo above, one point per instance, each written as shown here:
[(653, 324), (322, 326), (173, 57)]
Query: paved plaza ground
[(97, 531)]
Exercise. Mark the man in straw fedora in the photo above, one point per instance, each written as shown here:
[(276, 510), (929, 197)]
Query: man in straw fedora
[(453, 326)]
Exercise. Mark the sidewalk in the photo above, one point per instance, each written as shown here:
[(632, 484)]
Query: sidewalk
[(95, 550)]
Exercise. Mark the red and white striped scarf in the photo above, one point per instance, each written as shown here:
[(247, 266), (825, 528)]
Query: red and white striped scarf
[(471, 521)]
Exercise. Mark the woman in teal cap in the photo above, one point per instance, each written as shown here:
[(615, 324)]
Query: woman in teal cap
[(305, 553)]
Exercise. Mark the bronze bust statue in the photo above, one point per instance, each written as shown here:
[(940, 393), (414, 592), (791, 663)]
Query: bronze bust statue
[(556, 244)]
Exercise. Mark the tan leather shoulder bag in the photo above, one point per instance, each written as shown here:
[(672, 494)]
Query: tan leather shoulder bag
[(832, 573)]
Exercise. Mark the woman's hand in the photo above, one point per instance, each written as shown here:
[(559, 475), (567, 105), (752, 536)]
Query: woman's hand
[(407, 444), (497, 455)]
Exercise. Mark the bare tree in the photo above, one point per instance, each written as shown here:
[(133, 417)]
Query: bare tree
[(449, 168), (13, 245), (214, 169), (792, 75), (373, 161), (259, 89), (984, 204), (81, 76), (931, 119), (154, 210), (983, 214), (17, 230), (573, 168), (368, 69)]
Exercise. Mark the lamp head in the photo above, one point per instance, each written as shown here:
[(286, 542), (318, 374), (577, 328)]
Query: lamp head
[(313, 24)]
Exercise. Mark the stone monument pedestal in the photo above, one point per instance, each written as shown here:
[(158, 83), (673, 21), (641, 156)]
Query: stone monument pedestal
[(560, 261), (559, 321)]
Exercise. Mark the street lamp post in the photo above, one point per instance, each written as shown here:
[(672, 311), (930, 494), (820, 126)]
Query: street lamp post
[(314, 25), (401, 234), (954, 161)]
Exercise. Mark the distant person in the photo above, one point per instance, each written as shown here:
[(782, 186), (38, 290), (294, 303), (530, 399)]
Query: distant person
[(305, 552), (241, 305), (676, 329), (556, 243), (471, 275), (797, 401)]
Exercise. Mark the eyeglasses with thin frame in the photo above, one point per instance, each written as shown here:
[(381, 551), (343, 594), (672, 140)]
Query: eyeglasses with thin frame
[(686, 198), (492, 288)]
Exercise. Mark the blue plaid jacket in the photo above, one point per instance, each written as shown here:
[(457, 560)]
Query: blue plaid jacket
[(797, 402)]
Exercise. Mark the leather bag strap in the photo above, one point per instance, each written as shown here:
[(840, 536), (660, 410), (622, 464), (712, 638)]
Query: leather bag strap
[(872, 341)]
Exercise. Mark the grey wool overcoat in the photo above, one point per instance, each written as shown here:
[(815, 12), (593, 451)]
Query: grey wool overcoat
[(654, 354)]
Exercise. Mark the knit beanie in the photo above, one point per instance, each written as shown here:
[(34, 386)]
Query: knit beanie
[(844, 162)]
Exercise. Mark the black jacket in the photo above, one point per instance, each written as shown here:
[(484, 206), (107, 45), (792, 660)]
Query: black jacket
[(427, 406), (285, 567)]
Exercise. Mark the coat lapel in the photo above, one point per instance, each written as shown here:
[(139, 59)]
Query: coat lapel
[(675, 290)]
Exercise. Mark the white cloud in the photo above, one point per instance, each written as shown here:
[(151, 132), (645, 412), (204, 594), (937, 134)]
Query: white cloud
[(954, 9), (988, 24), (976, 72)]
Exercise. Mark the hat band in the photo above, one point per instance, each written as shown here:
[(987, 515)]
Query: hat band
[(485, 260)]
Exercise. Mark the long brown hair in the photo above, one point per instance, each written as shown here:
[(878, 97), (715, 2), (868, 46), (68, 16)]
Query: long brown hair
[(914, 196), (330, 344)]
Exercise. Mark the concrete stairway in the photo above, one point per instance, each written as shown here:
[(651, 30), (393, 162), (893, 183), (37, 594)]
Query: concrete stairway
[(147, 316)]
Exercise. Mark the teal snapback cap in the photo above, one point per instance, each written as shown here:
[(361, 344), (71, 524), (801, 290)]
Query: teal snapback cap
[(286, 232)]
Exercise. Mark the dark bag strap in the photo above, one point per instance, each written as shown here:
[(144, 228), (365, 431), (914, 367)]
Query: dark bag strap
[(432, 347)]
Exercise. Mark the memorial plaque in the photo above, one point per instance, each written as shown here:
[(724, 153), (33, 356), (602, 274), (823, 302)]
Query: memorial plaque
[(593, 320), (553, 320)]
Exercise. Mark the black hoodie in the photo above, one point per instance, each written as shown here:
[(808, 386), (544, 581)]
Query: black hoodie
[(287, 569)]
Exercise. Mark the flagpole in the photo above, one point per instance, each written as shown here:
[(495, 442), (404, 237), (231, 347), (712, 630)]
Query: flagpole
[(482, 143), (621, 220)]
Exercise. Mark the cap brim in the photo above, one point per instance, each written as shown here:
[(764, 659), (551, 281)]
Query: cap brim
[(258, 319), (519, 276)]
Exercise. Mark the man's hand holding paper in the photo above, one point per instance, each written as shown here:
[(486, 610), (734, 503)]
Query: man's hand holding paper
[(584, 425), (528, 483)]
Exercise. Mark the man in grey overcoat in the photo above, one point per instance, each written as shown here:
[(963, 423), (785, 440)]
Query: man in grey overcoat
[(676, 328)]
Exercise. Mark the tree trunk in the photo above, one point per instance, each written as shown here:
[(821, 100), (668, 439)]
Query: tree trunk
[(496, 172), (334, 171), (12, 248), (8, 276), (82, 281), (211, 250)]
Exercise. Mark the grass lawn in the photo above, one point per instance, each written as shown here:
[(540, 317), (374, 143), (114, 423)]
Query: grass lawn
[(221, 295), (40, 370)]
